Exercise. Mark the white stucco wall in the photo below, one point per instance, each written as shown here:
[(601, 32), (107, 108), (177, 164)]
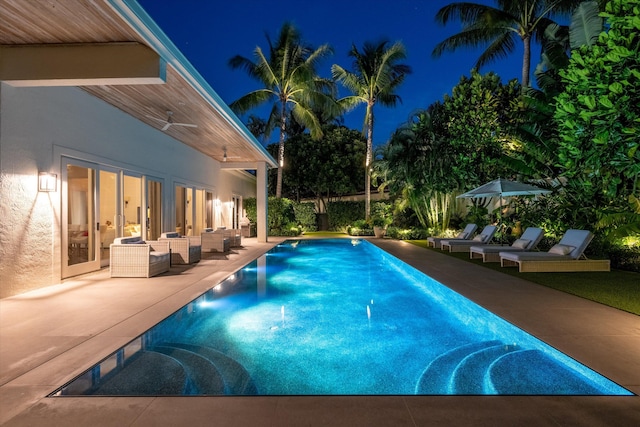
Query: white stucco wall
[(38, 126)]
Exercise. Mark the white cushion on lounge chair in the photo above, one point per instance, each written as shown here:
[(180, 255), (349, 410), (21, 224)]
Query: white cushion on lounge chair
[(461, 235), (479, 238)]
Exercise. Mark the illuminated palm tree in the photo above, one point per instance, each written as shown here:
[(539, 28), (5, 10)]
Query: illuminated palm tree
[(500, 26), (289, 79), (376, 74)]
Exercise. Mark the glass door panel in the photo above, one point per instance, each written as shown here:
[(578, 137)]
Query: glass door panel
[(132, 196), (181, 201), (199, 222), (79, 238), (154, 210), (209, 210), (108, 219)]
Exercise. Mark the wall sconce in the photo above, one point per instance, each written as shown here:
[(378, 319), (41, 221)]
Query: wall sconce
[(47, 182)]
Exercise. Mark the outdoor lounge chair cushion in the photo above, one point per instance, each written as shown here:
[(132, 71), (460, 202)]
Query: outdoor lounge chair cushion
[(461, 235)]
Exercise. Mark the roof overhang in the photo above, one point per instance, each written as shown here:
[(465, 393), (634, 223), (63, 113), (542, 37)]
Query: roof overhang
[(113, 50)]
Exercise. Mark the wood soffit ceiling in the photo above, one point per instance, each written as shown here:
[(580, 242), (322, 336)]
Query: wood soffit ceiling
[(93, 21)]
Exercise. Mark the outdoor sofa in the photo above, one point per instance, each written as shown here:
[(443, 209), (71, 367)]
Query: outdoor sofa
[(463, 235), (456, 245), (491, 253), (567, 255), (184, 249), (133, 257)]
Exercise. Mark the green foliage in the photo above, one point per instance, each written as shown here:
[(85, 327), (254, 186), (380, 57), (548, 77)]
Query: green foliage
[(251, 207), (360, 227), (451, 147), (342, 214), (330, 167), (407, 233), (381, 214), (281, 217), (305, 216), (598, 116)]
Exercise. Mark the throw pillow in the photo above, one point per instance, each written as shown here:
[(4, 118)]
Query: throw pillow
[(521, 243), (479, 238), (461, 235), (561, 249)]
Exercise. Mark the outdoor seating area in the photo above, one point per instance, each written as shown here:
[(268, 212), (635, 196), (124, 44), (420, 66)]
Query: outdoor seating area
[(567, 255), (134, 257)]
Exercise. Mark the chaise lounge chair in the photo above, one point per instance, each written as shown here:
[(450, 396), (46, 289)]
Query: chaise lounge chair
[(463, 235), (483, 238), (568, 255), (491, 253)]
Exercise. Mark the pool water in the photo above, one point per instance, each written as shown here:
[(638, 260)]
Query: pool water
[(336, 317)]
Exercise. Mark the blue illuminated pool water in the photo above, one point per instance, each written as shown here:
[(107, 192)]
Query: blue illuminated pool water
[(336, 317)]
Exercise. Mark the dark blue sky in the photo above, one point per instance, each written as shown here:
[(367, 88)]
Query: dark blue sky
[(210, 32)]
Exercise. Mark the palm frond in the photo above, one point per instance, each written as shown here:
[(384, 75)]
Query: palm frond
[(586, 24)]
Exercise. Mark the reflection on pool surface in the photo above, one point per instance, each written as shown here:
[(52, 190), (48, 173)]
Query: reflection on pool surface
[(336, 317)]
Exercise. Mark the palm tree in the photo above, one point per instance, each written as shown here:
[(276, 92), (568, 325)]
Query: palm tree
[(499, 26), (289, 79), (377, 73)]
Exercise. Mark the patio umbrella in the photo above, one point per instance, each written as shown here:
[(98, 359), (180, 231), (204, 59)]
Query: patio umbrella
[(503, 188)]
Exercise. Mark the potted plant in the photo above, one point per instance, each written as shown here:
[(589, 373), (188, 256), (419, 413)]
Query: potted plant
[(381, 218)]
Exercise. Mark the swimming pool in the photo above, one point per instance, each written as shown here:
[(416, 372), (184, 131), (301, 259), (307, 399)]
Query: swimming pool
[(335, 317)]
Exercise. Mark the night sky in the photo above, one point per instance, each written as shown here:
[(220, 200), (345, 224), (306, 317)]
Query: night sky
[(210, 32)]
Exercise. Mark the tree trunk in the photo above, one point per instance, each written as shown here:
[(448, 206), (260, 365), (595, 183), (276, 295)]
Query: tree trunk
[(526, 60), (367, 173), (283, 129)]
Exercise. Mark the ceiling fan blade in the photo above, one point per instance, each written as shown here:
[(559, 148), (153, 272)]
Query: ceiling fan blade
[(156, 119), (189, 125), (165, 127)]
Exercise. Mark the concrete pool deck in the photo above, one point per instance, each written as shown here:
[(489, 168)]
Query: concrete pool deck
[(49, 336)]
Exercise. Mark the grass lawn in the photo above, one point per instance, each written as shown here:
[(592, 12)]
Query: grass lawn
[(617, 288)]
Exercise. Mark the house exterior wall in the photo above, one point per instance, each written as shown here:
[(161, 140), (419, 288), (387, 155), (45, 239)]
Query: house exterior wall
[(39, 127)]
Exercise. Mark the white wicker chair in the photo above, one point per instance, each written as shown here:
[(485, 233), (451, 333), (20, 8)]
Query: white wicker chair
[(184, 250), (133, 257), (214, 242), (233, 234)]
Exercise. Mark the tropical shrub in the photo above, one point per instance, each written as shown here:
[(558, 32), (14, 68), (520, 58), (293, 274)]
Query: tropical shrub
[(342, 214), (305, 215)]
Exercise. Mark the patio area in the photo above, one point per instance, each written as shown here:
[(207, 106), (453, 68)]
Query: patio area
[(49, 336)]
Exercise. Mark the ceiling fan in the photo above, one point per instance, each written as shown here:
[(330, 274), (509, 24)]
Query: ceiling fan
[(169, 122), (225, 157)]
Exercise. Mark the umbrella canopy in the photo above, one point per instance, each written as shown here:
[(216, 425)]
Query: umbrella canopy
[(503, 188)]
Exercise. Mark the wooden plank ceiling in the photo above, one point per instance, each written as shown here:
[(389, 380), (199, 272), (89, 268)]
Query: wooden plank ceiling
[(93, 21)]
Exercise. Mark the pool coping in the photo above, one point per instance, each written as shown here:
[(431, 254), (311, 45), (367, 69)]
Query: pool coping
[(43, 353)]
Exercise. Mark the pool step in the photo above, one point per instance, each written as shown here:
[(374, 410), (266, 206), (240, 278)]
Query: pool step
[(510, 374), (203, 378), (469, 376), (436, 377), (237, 380), (147, 374)]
